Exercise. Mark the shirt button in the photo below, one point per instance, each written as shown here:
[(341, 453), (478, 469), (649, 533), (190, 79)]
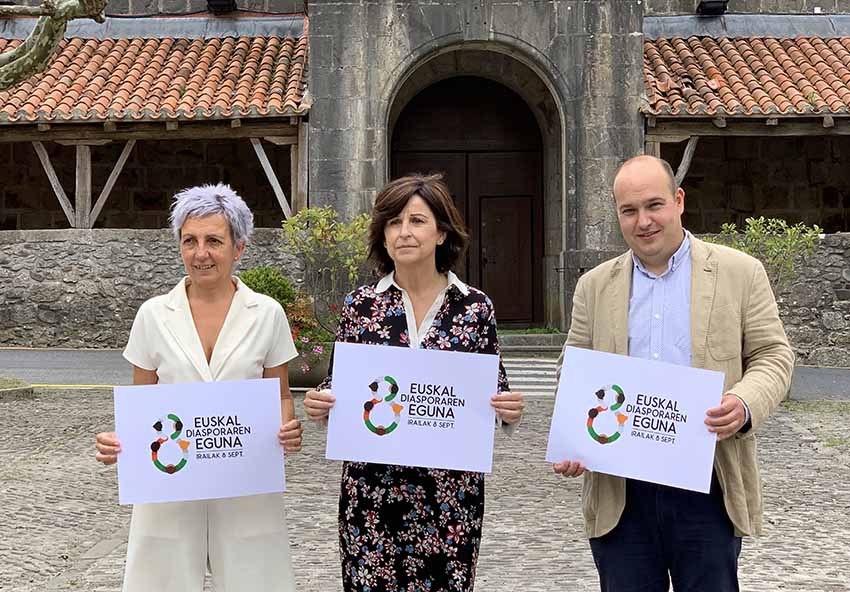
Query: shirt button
[(655, 356)]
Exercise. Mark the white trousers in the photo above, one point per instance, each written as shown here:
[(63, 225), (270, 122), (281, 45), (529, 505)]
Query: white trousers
[(243, 539)]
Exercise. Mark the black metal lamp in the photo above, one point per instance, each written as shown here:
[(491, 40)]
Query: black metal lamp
[(711, 7), (221, 6)]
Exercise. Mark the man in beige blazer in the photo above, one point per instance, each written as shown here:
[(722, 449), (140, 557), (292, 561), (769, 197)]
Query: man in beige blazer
[(675, 298)]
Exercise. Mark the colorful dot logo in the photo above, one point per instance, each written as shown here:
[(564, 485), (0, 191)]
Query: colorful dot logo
[(384, 389), (613, 393), (161, 439)]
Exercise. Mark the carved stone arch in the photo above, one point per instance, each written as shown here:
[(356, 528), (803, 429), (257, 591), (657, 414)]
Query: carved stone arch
[(502, 64)]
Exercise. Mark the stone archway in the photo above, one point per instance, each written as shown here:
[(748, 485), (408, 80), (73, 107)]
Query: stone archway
[(498, 116)]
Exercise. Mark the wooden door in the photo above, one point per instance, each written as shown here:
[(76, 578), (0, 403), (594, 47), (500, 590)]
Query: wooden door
[(485, 140), (505, 257)]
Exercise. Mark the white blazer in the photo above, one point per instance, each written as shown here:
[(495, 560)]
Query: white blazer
[(244, 540), (255, 335)]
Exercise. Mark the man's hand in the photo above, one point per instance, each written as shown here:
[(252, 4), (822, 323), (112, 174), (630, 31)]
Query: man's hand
[(728, 418), (569, 468)]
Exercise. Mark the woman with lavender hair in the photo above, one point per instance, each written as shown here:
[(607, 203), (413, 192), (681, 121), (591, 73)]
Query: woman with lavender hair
[(210, 327)]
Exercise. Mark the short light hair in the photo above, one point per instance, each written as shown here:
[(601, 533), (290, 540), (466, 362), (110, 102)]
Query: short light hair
[(665, 166), (207, 200)]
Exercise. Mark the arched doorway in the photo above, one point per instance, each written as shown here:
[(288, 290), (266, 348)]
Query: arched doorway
[(486, 141)]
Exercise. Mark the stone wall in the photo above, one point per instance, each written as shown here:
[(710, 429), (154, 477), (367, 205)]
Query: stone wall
[(154, 7), (142, 195), (671, 7), (81, 288), (797, 179), (816, 306)]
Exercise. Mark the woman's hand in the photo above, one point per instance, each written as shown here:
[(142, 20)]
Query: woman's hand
[(318, 404), (289, 435), (569, 468), (108, 447), (508, 406)]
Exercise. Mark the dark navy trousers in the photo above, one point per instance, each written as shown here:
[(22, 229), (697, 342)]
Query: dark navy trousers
[(667, 534)]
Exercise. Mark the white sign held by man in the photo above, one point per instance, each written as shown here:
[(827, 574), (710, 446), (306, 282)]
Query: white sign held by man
[(414, 407), (635, 418), (202, 440)]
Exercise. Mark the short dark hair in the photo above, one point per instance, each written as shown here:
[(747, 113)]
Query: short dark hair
[(391, 201)]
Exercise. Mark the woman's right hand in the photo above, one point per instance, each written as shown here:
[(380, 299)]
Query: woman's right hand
[(108, 447), (318, 404)]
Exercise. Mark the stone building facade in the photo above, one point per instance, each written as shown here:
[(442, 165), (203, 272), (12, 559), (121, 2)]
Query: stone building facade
[(527, 107)]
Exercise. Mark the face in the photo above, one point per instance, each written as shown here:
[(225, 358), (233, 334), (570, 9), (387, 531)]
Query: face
[(207, 249), (411, 238), (650, 214)]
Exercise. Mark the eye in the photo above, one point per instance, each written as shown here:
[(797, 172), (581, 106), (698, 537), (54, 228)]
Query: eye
[(394, 222), (627, 212), (188, 240)]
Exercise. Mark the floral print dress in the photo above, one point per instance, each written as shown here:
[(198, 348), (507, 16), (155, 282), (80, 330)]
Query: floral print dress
[(404, 528)]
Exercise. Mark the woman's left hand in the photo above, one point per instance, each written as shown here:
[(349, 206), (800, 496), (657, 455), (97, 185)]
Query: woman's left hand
[(508, 406), (289, 435)]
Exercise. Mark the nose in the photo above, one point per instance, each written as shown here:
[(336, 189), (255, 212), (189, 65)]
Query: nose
[(405, 227), (644, 220)]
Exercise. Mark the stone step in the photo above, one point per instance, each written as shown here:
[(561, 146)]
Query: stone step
[(533, 339)]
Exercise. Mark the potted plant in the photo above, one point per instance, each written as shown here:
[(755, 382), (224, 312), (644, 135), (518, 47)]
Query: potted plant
[(310, 338)]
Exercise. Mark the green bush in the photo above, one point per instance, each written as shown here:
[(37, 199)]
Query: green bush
[(269, 281), (777, 244), (333, 256)]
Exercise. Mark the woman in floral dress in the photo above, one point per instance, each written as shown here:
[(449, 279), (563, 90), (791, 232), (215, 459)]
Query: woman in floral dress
[(407, 528)]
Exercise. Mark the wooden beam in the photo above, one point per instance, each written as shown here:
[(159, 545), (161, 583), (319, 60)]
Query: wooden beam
[(54, 182), (216, 130), (302, 197), (171, 126), (281, 140), (652, 148), (83, 142), (82, 195), (650, 121), (686, 160), (110, 182), (272, 177), (668, 129), (109, 126), (293, 176)]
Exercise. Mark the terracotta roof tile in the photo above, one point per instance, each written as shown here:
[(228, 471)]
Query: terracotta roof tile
[(153, 79), (704, 76)]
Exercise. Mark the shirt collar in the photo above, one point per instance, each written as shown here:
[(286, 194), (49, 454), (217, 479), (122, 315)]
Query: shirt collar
[(681, 254), (389, 280)]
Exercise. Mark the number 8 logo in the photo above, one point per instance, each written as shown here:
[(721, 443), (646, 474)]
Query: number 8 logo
[(619, 398), (161, 439)]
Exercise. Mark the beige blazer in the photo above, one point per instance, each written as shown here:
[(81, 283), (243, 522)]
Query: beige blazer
[(735, 329)]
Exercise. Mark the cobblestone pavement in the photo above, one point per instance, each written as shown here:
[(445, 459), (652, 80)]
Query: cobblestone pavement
[(61, 527)]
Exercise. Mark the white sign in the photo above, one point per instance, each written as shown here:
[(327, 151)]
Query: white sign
[(413, 407), (195, 441), (635, 418)]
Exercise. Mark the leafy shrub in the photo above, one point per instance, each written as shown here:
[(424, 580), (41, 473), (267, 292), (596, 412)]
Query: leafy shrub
[(777, 244), (333, 257), (269, 281)]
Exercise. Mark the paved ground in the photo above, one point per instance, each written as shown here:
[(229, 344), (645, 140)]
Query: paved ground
[(531, 375), (61, 527)]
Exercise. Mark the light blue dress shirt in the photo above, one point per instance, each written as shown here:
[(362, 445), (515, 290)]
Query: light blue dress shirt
[(660, 310)]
